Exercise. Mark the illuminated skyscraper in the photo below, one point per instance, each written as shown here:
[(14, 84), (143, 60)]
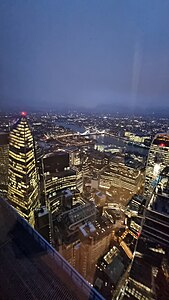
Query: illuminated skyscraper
[(158, 159), (148, 277), (4, 148), (57, 177), (22, 174)]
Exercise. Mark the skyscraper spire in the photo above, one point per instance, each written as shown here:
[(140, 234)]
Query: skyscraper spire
[(22, 174)]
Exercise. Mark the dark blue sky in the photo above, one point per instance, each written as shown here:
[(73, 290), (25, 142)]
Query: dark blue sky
[(87, 53)]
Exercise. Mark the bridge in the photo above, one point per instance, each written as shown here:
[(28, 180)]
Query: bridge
[(96, 132), (88, 132), (73, 134)]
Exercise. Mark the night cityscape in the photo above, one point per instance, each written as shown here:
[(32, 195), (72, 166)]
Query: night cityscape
[(84, 150)]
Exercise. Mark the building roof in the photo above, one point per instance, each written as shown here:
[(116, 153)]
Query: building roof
[(61, 174), (4, 138), (77, 215), (115, 269), (31, 268)]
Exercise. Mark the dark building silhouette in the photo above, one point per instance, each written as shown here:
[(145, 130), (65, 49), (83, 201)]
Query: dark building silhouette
[(31, 268), (57, 177), (56, 162), (4, 150), (149, 274)]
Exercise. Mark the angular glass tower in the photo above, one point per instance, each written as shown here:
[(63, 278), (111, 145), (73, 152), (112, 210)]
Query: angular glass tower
[(156, 222), (22, 173), (148, 276), (158, 159)]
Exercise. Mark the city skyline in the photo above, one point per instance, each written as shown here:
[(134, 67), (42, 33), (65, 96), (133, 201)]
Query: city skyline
[(84, 149), (84, 183)]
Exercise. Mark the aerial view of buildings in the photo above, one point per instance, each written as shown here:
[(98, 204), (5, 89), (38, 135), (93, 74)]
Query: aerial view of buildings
[(84, 150), (103, 209)]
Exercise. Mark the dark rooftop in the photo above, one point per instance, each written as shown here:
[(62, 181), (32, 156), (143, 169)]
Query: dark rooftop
[(4, 138), (142, 272), (77, 215), (161, 204), (115, 269), (31, 268), (61, 174)]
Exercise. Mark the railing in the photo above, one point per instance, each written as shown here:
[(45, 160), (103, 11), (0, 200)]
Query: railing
[(88, 290)]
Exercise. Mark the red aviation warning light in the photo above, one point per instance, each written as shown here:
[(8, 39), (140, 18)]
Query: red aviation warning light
[(23, 113)]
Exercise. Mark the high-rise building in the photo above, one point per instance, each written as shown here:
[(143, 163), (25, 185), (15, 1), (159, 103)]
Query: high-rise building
[(22, 175), (148, 278), (74, 156), (158, 158), (56, 162), (82, 237), (4, 148), (57, 178), (34, 269), (156, 221), (121, 181)]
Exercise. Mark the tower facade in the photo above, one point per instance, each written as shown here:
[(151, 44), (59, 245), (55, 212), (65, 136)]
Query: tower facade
[(148, 276), (4, 148), (22, 173), (57, 178), (158, 159)]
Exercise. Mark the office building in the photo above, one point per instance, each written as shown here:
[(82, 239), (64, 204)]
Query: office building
[(75, 156), (22, 173), (82, 237), (31, 268), (57, 177), (121, 182), (98, 161), (56, 162), (121, 176), (149, 274), (86, 166), (158, 158), (42, 222), (109, 270), (79, 179), (156, 223), (4, 149)]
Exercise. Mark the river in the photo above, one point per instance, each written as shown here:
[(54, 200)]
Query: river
[(106, 140)]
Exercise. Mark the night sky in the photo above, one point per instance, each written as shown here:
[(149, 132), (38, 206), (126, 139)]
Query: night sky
[(94, 54)]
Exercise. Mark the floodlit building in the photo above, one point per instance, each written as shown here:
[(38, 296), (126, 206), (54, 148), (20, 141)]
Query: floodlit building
[(118, 175), (22, 174), (75, 157)]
